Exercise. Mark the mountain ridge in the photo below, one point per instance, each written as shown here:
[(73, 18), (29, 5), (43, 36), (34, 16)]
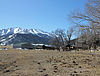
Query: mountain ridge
[(17, 35), (22, 31)]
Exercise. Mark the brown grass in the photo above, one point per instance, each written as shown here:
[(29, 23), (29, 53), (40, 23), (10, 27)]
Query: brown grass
[(48, 63)]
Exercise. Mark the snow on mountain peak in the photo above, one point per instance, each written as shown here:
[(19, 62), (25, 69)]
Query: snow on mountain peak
[(16, 30), (17, 35), (21, 31)]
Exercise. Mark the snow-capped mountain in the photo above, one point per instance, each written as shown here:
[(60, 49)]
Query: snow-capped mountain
[(15, 35), (21, 31)]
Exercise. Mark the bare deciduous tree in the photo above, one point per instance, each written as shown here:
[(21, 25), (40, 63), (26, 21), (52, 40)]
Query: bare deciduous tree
[(69, 36), (89, 21), (59, 38)]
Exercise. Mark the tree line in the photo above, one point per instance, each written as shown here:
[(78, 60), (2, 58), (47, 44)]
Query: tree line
[(86, 27)]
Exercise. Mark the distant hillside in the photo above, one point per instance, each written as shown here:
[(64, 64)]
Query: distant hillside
[(16, 35)]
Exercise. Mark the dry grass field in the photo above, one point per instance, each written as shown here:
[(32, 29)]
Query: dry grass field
[(48, 63)]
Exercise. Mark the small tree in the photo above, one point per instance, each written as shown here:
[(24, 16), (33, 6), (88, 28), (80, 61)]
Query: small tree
[(59, 38), (69, 36)]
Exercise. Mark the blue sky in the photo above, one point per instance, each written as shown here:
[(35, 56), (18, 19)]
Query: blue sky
[(46, 15)]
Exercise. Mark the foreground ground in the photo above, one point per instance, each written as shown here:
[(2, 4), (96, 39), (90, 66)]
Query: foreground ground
[(48, 63)]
